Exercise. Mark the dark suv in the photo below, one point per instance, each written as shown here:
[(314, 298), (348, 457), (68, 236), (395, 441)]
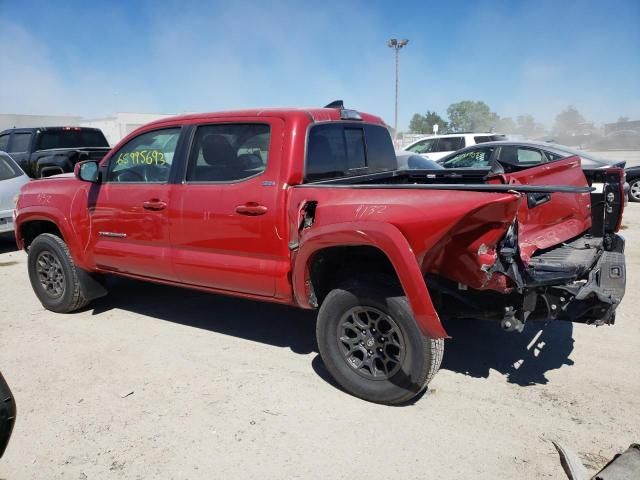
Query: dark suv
[(46, 151)]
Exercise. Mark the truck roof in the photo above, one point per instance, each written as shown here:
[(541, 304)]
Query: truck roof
[(314, 114)]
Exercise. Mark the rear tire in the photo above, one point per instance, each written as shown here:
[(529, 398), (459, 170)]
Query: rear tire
[(53, 275), (372, 346)]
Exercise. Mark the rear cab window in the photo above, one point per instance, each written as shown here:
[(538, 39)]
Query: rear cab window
[(70, 138), (341, 149)]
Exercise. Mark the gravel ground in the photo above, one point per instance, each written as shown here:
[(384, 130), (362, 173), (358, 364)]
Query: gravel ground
[(159, 382)]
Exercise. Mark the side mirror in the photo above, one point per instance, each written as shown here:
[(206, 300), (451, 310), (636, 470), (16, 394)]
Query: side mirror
[(88, 171)]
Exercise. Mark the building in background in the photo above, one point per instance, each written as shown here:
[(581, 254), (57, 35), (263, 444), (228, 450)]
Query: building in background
[(120, 125), (114, 128), (13, 120)]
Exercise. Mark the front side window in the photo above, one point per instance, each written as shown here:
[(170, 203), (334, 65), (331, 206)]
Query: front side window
[(478, 158), (147, 158), (20, 143), (425, 146), (450, 144), (229, 152)]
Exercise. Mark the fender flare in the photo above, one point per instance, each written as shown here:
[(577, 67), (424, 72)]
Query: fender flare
[(390, 241), (53, 215)]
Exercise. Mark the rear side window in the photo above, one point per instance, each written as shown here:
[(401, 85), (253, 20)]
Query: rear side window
[(20, 142), (450, 144), (337, 149), (8, 168), (525, 157), (424, 146), (229, 152), (4, 142)]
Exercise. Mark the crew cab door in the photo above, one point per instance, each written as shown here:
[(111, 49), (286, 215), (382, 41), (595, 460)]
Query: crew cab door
[(228, 227), (128, 211)]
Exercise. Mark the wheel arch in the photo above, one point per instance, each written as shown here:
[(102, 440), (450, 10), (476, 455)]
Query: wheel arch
[(31, 224), (380, 243)]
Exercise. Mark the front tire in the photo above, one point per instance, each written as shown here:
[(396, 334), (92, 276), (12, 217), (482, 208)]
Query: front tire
[(634, 190), (372, 346), (53, 275)]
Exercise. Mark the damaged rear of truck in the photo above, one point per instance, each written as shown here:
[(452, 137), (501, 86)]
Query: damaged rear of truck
[(524, 243)]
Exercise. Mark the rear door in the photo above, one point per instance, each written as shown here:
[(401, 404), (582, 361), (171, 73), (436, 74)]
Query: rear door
[(228, 225)]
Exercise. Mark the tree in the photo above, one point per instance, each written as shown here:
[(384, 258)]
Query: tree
[(528, 126), (470, 116), (623, 119), (505, 125), (424, 123), (568, 121)]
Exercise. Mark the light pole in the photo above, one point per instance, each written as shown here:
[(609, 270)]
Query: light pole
[(397, 45)]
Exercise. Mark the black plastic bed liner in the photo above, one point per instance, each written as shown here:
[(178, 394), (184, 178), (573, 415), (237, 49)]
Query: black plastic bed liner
[(574, 258)]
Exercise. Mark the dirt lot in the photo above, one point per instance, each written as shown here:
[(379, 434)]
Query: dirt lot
[(157, 382)]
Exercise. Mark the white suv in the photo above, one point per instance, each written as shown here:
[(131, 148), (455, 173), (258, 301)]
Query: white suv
[(437, 146)]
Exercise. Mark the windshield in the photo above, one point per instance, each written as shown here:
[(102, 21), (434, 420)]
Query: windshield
[(71, 139)]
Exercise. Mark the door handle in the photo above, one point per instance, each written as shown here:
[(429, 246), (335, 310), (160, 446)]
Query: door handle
[(154, 205), (535, 199), (252, 209)]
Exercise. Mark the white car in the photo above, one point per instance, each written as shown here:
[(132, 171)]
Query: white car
[(11, 179), (437, 146)]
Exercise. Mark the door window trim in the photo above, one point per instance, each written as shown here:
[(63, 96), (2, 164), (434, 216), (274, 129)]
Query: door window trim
[(108, 168), (190, 143)]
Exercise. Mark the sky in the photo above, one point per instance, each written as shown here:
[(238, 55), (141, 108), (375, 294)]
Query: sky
[(534, 57)]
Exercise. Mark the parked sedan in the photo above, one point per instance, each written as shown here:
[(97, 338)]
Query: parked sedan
[(11, 179), (633, 179), (520, 154)]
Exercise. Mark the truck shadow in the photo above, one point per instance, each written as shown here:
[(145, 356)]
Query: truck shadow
[(477, 347), (268, 323)]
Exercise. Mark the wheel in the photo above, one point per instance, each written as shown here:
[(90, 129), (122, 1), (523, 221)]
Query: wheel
[(53, 275), (372, 346), (634, 190)]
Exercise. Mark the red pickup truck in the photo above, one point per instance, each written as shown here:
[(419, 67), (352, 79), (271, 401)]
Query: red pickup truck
[(307, 207)]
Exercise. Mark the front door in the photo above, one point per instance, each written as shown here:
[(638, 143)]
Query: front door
[(129, 209), (228, 233)]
